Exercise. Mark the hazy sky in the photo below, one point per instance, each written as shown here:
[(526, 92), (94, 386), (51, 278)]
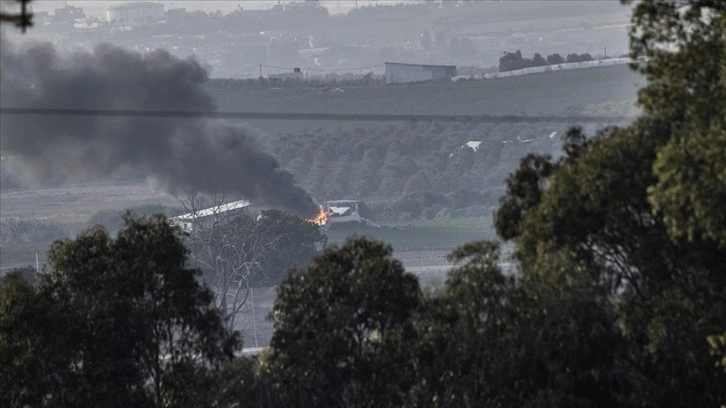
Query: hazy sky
[(97, 7)]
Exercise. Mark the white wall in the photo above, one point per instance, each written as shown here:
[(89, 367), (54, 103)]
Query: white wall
[(406, 73), (135, 14)]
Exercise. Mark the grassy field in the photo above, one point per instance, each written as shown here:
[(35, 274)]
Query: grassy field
[(71, 207), (554, 92), (17, 255), (604, 91), (420, 235)]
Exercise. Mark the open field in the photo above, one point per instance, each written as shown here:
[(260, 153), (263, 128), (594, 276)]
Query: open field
[(419, 235), (603, 91), (71, 207), (606, 91)]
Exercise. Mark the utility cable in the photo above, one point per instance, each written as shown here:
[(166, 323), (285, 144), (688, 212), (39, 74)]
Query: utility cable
[(376, 117)]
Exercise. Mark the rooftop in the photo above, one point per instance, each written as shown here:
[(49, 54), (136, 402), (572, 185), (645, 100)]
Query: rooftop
[(213, 210)]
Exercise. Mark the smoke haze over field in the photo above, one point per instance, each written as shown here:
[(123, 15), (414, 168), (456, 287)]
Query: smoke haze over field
[(206, 155)]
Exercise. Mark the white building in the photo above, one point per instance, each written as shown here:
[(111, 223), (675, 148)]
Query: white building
[(296, 75), (135, 13), (208, 215), (345, 211), (397, 73)]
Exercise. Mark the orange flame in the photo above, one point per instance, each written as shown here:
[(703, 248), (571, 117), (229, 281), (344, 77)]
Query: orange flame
[(321, 218)]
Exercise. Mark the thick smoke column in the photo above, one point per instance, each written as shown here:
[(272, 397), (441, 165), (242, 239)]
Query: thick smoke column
[(179, 153)]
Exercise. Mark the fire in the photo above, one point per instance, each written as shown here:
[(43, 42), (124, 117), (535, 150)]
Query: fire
[(321, 218)]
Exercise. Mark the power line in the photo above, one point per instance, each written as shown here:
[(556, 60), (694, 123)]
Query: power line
[(376, 117), (316, 69), (22, 20)]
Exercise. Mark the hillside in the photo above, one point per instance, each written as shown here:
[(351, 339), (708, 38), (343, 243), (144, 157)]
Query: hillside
[(602, 91), (421, 170)]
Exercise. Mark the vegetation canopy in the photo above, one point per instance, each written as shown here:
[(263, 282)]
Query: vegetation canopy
[(618, 299)]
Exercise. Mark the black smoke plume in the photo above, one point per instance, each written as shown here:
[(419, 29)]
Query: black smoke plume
[(206, 155)]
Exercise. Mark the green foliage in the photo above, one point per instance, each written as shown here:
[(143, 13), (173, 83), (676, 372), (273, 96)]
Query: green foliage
[(455, 357), (718, 349), (267, 247), (638, 212), (524, 191), (687, 90), (491, 340), (113, 322), (296, 244), (341, 330), (240, 385), (578, 58), (512, 61), (33, 356), (554, 59)]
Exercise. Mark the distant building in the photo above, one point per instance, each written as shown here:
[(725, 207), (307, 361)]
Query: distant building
[(67, 15), (295, 75), (41, 18), (397, 73), (135, 13)]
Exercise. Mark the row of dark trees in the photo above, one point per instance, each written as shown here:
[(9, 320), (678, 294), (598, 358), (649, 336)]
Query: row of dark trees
[(513, 60), (317, 81), (123, 322)]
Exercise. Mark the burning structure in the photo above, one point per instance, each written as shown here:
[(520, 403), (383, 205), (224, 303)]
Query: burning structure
[(344, 211)]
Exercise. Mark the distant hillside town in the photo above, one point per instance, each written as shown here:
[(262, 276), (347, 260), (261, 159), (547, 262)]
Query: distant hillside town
[(304, 40)]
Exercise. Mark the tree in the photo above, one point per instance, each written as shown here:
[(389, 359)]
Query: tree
[(459, 327), (34, 359), (579, 57), (687, 91), (341, 330), (297, 242), (538, 60), (554, 59), (638, 209), (366, 176), (240, 252), (490, 339), (121, 322), (511, 61)]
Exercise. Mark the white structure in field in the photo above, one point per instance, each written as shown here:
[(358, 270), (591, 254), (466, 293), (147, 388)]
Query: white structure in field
[(295, 75), (135, 13), (340, 211), (345, 211), (398, 73), (212, 214)]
